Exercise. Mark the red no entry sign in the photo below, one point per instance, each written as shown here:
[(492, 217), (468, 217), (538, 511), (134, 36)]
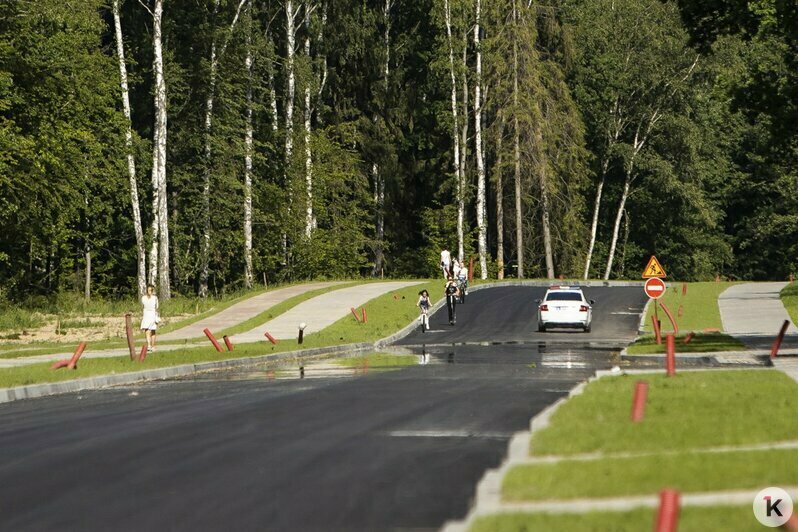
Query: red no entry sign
[(655, 288)]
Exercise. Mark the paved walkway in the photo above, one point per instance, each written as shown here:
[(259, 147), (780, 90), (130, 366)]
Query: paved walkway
[(753, 313), (318, 312), (321, 311), (243, 311)]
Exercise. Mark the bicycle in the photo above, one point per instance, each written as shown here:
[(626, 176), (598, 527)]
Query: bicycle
[(424, 319), (462, 285)]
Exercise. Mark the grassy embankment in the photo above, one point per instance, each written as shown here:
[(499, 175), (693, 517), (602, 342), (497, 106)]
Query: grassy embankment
[(386, 314), (205, 309), (686, 417), (694, 311), (789, 296)]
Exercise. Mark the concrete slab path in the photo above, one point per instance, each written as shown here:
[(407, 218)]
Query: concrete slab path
[(243, 310), (754, 313), (321, 311)]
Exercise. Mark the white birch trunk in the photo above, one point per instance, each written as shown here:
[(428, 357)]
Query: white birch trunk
[(455, 136), (87, 280), (131, 160), (309, 220), (616, 228), (248, 150), (519, 223), (463, 142), (596, 207), (159, 163), (378, 178), (481, 222), (205, 248), (290, 30), (499, 207), (273, 95)]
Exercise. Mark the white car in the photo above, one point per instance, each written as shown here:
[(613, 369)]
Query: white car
[(565, 306)]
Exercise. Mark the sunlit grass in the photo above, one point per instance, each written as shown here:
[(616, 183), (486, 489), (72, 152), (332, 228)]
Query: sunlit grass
[(789, 296), (700, 343), (694, 311)]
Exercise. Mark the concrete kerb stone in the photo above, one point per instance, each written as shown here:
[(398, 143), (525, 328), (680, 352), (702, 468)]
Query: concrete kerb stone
[(91, 383)]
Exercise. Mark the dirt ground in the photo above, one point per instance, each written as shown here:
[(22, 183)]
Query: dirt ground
[(102, 328)]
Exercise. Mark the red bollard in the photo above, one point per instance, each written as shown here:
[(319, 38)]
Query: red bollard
[(792, 523), (131, 345), (657, 332), (354, 313), (227, 342), (664, 307), (143, 353), (363, 312), (639, 401), (212, 339), (792, 278), (684, 289), (471, 270), (670, 355), (717, 278), (668, 513), (73, 362), (680, 312), (777, 342), (689, 337), (271, 338)]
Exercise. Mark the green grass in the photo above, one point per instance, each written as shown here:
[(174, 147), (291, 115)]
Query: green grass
[(691, 519), (17, 320), (691, 410), (701, 343), (699, 306), (616, 477), (386, 315), (378, 360), (789, 296)]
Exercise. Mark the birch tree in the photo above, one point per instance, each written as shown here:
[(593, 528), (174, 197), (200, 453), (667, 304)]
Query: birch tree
[(208, 149), (291, 15), (141, 252), (159, 250), (460, 187), (248, 151), (481, 191), (378, 178), (519, 222)]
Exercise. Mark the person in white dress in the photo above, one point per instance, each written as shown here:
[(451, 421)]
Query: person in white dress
[(150, 316), (446, 262)]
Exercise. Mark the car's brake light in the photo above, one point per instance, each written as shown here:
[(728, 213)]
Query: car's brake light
[(544, 308), (583, 308)]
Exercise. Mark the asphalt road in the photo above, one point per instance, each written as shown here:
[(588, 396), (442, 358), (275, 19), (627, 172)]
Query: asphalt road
[(389, 450)]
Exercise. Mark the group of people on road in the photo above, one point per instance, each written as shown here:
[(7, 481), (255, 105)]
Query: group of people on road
[(456, 275)]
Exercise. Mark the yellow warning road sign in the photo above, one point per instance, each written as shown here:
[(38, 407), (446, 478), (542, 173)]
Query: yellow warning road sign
[(653, 269)]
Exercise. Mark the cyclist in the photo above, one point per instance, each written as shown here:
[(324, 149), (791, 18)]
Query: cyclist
[(424, 304), (462, 283), (452, 292)]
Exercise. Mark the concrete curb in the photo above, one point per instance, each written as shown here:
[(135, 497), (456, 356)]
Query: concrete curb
[(92, 383)]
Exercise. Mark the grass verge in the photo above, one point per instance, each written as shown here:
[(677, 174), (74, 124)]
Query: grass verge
[(789, 297), (699, 306), (694, 409), (687, 472), (386, 315), (701, 343), (691, 519)]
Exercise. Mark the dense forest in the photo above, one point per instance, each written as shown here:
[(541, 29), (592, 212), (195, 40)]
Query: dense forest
[(210, 145)]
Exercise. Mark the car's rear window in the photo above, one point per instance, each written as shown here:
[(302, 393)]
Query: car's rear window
[(564, 296)]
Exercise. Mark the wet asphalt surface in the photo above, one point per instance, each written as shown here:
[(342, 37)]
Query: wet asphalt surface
[(361, 449)]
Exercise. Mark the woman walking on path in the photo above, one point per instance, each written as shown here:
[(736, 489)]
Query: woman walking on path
[(150, 317)]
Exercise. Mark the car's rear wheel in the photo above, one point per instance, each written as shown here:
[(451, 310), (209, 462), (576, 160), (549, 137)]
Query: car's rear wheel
[(587, 328), (541, 327)]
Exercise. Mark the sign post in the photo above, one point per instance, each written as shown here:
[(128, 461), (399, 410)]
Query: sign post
[(655, 286)]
